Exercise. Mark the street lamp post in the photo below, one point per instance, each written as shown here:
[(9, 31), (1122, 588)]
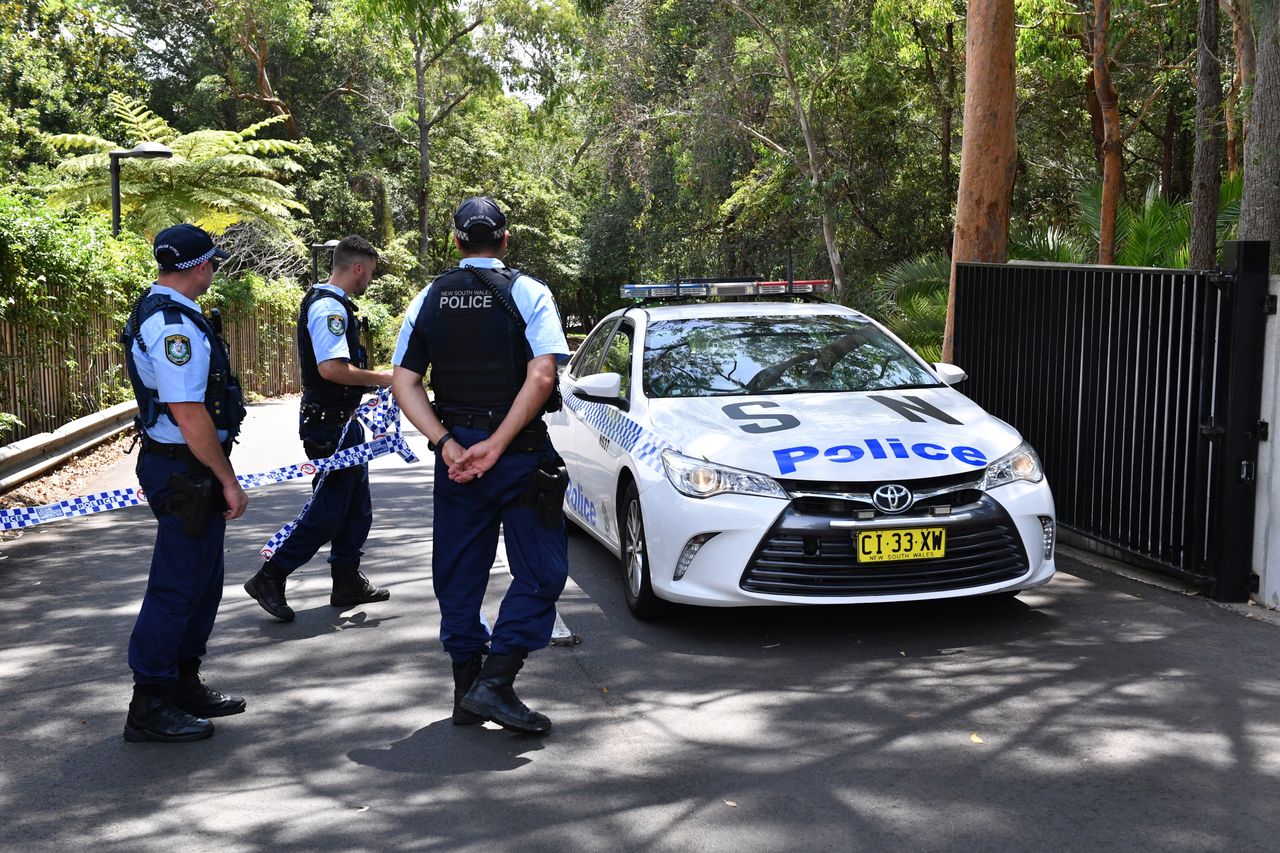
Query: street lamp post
[(145, 150), (316, 249)]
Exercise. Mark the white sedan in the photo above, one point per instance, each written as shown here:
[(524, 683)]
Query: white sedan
[(757, 453)]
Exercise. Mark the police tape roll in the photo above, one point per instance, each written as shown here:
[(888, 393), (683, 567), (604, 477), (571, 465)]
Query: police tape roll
[(380, 413)]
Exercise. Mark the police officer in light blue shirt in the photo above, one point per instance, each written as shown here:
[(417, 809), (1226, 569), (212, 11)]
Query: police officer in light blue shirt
[(491, 338), (335, 376), (189, 411)]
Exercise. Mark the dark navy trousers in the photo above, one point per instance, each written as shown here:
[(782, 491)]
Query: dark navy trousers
[(341, 511), (466, 523), (184, 587)]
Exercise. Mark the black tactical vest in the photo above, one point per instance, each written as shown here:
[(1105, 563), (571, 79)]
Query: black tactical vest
[(479, 355), (315, 388), (223, 397)]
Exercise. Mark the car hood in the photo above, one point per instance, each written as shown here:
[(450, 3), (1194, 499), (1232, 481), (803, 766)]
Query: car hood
[(854, 436)]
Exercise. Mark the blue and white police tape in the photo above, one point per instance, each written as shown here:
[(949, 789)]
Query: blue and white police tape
[(380, 413)]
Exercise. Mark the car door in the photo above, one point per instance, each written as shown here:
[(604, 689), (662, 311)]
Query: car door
[(601, 454), (574, 437)]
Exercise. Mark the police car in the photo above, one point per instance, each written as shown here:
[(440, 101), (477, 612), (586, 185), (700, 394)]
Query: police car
[(786, 452)]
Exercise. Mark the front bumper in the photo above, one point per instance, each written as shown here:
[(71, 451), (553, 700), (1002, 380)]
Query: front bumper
[(767, 551)]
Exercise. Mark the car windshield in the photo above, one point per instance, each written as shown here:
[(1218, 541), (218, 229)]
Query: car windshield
[(735, 356)]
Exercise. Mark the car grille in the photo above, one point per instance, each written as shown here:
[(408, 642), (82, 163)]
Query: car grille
[(803, 555)]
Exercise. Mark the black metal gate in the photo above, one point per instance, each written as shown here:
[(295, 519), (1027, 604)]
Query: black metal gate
[(1140, 389)]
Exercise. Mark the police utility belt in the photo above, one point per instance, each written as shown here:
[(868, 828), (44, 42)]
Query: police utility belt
[(531, 439), (319, 414), (178, 451)]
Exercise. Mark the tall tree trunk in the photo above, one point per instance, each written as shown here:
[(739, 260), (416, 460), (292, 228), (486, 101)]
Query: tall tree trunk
[(1260, 207), (1230, 119), (424, 156), (1246, 63), (988, 160), (1109, 105), (815, 169), (1206, 178), (1168, 141), (1095, 118)]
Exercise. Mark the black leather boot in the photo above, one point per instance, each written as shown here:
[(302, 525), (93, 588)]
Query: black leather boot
[(351, 587), (267, 588), (464, 675), (493, 697), (191, 695), (156, 718)]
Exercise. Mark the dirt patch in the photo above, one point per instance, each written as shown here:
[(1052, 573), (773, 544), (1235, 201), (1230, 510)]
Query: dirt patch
[(67, 480)]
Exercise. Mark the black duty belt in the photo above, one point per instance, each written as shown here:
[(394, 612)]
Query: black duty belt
[(177, 451), (481, 420), (531, 439)]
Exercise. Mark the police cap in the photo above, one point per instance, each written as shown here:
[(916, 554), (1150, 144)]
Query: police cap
[(479, 220), (181, 247)]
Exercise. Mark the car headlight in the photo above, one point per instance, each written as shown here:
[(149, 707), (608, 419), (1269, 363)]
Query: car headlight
[(698, 478), (1020, 464)]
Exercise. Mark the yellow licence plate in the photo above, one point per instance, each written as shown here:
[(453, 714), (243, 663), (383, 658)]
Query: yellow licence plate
[(913, 543)]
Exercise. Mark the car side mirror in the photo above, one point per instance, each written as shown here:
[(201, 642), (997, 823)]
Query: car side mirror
[(949, 374), (601, 388)]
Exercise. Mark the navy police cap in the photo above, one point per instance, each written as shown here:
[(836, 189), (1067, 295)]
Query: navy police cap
[(182, 247), (479, 219)]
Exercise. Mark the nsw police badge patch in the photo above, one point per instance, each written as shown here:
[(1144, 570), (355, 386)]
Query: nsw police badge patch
[(337, 324), (177, 348)]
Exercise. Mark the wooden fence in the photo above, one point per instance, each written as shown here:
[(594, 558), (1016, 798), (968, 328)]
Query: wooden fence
[(47, 381)]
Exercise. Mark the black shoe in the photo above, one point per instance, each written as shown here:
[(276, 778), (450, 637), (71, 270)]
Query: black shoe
[(351, 587), (191, 695), (464, 675), (268, 591), (493, 697), (156, 718)]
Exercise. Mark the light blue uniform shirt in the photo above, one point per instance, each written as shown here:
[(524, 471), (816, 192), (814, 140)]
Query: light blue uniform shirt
[(328, 335), (176, 364), (533, 298)]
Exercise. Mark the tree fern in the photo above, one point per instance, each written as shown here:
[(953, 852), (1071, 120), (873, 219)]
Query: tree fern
[(215, 178)]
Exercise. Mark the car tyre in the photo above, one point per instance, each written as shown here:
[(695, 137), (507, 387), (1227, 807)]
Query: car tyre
[(641, 600)]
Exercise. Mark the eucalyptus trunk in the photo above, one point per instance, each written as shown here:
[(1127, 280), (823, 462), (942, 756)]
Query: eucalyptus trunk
[(988, 151), (1206, 181), (1112, 141), (1260, 207)]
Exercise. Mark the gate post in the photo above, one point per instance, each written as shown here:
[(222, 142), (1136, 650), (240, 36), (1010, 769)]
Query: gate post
[(1230, 547)]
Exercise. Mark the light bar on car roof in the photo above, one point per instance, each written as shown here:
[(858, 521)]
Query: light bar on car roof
[(724, 287)]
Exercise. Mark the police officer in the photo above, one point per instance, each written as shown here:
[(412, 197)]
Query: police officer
[(189, 410), (335, 375), (491, 337)]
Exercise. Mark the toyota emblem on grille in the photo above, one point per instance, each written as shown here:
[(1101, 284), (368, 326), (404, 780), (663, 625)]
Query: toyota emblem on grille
[(892, 498)]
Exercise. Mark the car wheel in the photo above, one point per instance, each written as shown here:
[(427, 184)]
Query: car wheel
[(635, 558)]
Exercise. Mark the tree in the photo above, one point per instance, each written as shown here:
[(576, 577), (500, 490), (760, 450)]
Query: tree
[(778, 42), (215, 178), (988, 160), (1207, 175), (1260, 207)]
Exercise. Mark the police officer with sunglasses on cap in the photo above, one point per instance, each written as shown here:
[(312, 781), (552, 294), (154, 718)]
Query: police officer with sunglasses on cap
[(189, 411)]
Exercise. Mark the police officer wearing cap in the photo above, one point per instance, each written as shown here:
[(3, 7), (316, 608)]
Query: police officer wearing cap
[(335, 375), (491, 338), (189, 411)]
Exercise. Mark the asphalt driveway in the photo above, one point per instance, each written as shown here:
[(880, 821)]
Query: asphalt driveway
[(1097, 713)]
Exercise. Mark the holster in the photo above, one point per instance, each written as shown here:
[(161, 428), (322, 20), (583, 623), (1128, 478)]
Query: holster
[(190, 499), (545, 493)]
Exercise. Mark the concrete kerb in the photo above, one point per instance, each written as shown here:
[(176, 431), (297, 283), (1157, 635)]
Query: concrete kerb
[(32, 456)]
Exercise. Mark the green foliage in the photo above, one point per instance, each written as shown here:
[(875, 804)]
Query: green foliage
[(58, 270), (214, 179), (8, 423), (59, 61), (914, 296)]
